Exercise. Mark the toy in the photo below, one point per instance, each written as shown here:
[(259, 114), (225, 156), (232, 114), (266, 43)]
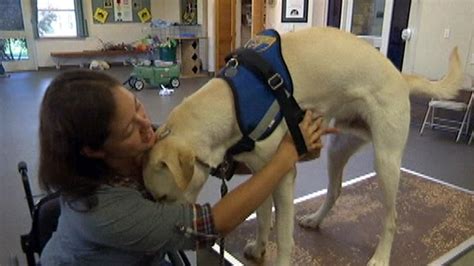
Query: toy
[(154, 76), (99, 65)]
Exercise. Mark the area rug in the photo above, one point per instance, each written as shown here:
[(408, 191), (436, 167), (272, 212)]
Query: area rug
[(433, 218)]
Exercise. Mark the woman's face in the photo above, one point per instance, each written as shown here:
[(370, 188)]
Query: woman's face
[(131, 131)]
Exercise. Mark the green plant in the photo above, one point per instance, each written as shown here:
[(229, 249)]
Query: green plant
[(12, 49), (169, 43), (44, 24)]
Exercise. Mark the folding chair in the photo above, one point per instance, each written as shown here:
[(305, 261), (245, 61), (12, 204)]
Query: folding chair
[(463, 107), (44, 214)]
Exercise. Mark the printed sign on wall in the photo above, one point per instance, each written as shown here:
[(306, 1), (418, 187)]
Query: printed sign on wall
[(120, 11), (123, 10)]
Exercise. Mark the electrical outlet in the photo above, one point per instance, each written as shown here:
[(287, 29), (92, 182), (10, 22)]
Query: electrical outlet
[(446, 33)]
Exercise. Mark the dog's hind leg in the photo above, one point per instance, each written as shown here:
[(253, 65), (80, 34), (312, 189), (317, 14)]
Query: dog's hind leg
[(389, 140), (341, 147)]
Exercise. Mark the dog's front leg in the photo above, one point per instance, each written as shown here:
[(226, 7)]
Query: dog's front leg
[(255, 250), (284, 211)]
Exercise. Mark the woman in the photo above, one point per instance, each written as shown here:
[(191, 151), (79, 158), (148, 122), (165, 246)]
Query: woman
[(94, 134)]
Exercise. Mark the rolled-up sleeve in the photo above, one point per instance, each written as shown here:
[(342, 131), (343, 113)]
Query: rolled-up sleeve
[(204, 225)]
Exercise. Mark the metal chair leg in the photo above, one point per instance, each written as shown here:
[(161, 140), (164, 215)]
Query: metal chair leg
[(460, 131), (465, 123), (425, 120)]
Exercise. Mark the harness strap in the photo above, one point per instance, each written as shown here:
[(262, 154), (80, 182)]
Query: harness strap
[(266, 121), (289, 107)]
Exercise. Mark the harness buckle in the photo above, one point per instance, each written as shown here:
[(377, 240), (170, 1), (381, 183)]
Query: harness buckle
[(233, 62), (275, 81)]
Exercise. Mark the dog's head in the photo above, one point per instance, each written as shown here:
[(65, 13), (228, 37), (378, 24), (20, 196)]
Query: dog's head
[(171, 172)]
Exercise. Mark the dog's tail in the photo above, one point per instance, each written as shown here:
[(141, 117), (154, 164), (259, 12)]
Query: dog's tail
[(446, 88)]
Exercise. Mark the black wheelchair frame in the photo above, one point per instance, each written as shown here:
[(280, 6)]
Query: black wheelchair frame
[(44, 215)]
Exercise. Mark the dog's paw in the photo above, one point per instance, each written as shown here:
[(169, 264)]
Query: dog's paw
[(377, 262), (254, 252), (310, 221)]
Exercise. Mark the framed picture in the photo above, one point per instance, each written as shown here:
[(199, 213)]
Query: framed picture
[(294, 11)]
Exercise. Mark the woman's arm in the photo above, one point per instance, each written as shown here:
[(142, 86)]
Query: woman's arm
[(238, 204)]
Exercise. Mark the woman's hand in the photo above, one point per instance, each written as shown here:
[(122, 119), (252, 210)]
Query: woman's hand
[(232, 210), (312, 128)]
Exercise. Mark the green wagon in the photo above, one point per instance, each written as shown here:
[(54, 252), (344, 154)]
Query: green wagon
[(154, 76)]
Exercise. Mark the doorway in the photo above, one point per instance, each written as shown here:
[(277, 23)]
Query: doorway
[(380, 22), (396, 43), (246, 21), (226, 17), (16, 36)]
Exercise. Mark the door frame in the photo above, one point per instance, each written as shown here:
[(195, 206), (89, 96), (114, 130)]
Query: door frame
[(27, 33), (231, 35), (258, 14)]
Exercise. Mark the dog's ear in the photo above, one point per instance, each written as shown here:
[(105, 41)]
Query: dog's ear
[(180, 162), (177, 157)]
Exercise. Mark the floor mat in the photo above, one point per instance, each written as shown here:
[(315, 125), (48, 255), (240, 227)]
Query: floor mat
[(432, 219)]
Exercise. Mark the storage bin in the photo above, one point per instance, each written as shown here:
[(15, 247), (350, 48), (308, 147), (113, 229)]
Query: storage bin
[(167, 54)]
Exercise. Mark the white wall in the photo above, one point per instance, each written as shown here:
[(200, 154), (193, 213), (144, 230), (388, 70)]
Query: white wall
[(428, 50)]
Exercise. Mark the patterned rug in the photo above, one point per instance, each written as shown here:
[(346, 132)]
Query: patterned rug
[(432, 219)]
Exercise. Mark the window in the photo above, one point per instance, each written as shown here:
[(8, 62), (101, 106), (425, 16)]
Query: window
[(56, 18), (12, 49), (59, 19), (13, 45)]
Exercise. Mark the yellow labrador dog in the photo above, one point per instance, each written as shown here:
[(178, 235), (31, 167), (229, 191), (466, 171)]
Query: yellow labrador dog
[(334, 74)]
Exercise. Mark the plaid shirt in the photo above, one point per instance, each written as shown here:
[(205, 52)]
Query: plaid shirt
[(203, 223)]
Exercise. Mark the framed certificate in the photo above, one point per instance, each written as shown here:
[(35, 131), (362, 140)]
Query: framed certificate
[(294, 11)]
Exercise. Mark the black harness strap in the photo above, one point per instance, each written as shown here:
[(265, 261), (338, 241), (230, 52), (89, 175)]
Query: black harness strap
[(289, 107)]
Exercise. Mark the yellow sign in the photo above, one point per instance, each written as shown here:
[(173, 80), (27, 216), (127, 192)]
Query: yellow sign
[(144, 15), (100, 15)]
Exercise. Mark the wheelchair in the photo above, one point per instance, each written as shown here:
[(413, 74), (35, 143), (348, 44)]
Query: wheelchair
[(44, 215)]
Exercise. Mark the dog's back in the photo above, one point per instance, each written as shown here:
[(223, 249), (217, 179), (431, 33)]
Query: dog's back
[(342, 70)]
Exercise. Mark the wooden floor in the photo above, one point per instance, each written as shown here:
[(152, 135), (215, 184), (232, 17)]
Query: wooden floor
[(435, 154)]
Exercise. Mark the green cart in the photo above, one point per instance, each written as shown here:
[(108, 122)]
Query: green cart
[(154, 76)]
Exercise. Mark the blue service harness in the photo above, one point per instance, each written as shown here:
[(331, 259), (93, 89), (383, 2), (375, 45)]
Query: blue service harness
[(263, 91)]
